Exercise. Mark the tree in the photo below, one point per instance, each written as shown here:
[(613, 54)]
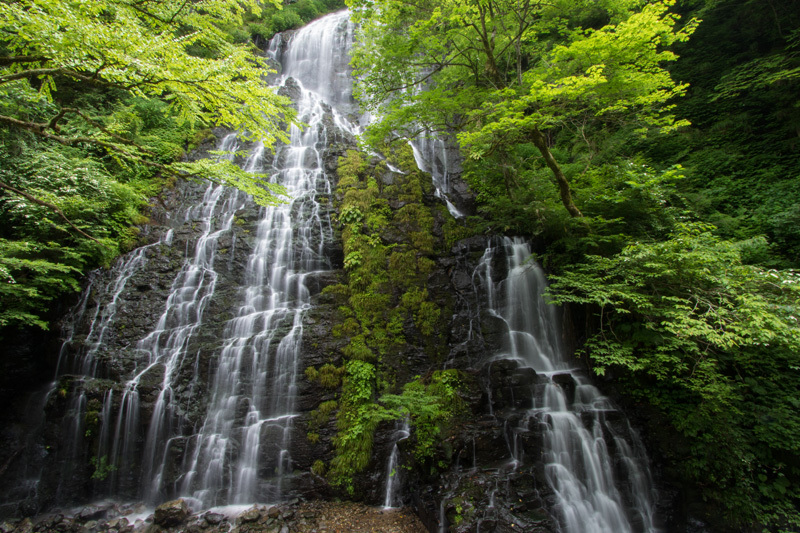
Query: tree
[(170, 49), (502, 72)]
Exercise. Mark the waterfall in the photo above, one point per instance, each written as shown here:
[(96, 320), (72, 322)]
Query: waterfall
[(580, 448), (212, 421), (162, 352), (242, 453), (208, 419), (82, 364)]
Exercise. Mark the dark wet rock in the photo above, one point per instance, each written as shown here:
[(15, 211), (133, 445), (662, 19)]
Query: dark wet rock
[(25, 526), (567, 383), (214, 518), (171, 513)]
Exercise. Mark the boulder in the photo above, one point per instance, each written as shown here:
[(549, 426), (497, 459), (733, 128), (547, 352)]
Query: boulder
[(171, 514), (251, 515)]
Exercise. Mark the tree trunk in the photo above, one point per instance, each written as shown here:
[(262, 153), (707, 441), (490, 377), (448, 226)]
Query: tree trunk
[(563, 185)]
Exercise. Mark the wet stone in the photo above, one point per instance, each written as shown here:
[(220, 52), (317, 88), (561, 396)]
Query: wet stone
[(251, 515), (171, 513), (26, 526), (214, 518), (93, 512)]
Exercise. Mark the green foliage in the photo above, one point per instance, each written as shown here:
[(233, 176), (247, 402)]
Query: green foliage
[(430, 405), (501, 73), (40, 255), (290, 16), (612, 74), (684, 241), (318, 468), (99, 101), (328, 376), (144, 52), (741, 156), (356, 423), (713, 344), (425, 313), (28, 283), (381, 294), (102, 468)]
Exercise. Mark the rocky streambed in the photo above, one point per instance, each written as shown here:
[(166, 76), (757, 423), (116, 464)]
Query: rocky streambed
[(176, 516)]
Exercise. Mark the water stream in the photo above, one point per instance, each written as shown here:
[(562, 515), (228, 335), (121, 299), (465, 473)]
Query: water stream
[(438, 155), (392, 484)]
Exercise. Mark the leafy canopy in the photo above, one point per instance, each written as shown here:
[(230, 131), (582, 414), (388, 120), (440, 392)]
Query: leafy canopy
[(498, 73), (98, 102), (170, 49)]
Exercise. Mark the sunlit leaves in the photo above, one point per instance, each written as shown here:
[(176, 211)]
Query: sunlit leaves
[(147, 50)]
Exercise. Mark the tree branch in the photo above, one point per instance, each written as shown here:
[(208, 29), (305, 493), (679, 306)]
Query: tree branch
[(6, 61), (48, 205), (39, 128), (563, 185)]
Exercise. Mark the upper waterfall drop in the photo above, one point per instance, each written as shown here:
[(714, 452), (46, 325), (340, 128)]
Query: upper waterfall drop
[(318, 58)]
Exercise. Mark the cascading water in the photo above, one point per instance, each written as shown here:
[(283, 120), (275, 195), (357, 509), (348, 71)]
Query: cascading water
[(163, 352), (82, 365), (579, 447), (242, 451), (438, 155), (145, 434)]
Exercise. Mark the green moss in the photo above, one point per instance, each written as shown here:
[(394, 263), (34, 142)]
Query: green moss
[(385, 288), (330, 376)]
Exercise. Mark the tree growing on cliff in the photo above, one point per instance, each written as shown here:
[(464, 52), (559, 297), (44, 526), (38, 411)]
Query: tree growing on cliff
[(500, 73)]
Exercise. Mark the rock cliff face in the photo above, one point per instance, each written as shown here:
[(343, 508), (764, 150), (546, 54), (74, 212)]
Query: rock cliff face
[(182, 370)]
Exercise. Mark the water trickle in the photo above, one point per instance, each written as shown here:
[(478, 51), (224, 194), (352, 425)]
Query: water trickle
[(393, 486), (439, 156)]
